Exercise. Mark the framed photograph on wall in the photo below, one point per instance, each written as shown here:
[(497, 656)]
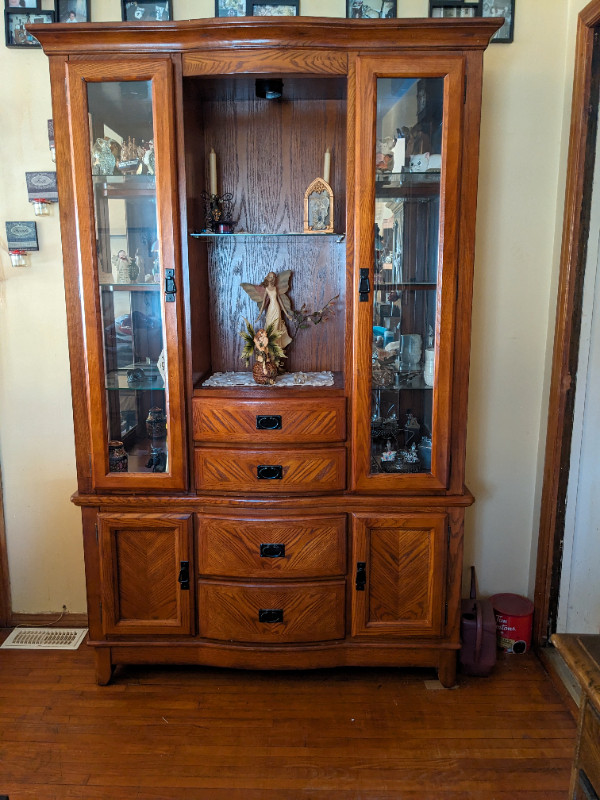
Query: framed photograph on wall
[(371, 9), (455, 10), (73, 11), (259, 9), (230, 8), (146, 12), (14, 27), (501, 8)]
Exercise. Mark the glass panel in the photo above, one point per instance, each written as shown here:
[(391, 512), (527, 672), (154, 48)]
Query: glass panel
[(407, 217), (123, 178)]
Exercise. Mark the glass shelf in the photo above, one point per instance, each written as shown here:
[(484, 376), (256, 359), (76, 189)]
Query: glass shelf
[(118, 381), (412, 285), (130, 287), (205, 235)]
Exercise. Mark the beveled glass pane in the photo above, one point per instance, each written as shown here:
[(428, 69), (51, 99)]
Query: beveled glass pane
[(408, 162), (129, 277)]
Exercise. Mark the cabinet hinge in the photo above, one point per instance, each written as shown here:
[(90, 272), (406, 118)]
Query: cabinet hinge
[(445, 613), (100, 608), (465, 91), (96, 527)]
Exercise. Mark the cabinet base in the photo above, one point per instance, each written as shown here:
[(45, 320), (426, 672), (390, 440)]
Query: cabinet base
[(441, 657)]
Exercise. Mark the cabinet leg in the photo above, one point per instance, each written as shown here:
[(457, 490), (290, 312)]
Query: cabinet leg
[(447, 668), (103, 666)]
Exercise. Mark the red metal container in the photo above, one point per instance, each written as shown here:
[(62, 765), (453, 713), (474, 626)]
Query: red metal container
[(514, 618)]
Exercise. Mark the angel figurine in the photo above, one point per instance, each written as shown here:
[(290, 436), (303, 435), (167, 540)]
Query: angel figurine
[(271, 294)]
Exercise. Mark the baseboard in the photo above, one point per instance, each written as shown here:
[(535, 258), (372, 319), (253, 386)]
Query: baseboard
[(561, 678), (66, 620)]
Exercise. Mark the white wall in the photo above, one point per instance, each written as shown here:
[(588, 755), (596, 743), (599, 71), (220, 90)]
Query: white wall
[(524, 125)]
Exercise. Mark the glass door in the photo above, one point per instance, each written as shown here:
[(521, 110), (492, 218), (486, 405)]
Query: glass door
[(129, 273), (407, 242)]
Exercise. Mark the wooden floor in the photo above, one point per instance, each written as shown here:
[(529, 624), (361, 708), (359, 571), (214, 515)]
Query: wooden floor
[(187, 733)]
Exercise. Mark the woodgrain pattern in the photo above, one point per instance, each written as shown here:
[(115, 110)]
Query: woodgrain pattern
[(295, 62), (303, 421), (312, 612), (581, 158), (315, 547), (140, 557), (405, 570), (308, 470)]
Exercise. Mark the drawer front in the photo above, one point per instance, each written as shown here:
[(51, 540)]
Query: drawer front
[(308, 547), (272, 613), (589, 747), (270, 421), (270, 471)]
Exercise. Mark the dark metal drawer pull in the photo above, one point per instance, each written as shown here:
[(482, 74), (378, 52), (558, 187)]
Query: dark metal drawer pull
[(361, 575), (270, 615), (184, 575), (272, 550), (268, 422), (269, 472)]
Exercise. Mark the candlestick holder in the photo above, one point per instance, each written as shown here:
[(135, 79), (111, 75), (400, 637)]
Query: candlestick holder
[(218, 212)]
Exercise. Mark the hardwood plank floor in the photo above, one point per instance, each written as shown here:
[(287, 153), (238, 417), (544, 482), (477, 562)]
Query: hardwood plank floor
[(187, 733)]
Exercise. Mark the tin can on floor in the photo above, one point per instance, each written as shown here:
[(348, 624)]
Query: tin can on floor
[(514, 618)]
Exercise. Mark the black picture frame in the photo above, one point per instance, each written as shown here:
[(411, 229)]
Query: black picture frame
[(14, 26), (230, 8), (73, 11), (258, 8), (455, 9), (371, 9), (501, 8), (41, 186), (152, 11), (22, 5)]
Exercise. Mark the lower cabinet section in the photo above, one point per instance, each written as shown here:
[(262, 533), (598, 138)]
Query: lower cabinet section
[(269, 589), (144, 573), (272, 613)]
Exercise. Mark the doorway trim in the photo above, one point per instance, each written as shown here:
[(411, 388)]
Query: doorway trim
[(581, 158)]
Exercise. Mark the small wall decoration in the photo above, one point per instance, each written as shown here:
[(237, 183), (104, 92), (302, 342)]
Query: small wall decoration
[(51, 143), (146, 12), (42, 186), (15, 22), (501, 8), (73, 11), (258, 9), (455, 8), (230, 8), (21, 235), (373, 9)]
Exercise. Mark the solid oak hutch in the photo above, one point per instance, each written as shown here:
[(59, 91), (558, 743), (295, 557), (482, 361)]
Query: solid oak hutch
[(318, 521)]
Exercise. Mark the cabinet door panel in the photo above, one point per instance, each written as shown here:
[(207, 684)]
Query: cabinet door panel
[(123, 151), (402, 569), (409, 128), (141, 559)]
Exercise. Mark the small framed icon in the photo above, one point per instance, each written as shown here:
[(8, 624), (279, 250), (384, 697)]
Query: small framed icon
[(258, 9), (132, 11)]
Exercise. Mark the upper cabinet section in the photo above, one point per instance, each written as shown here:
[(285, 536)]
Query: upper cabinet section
[(129, 271)]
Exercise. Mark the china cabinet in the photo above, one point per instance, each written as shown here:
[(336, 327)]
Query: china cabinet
[(316, 178)]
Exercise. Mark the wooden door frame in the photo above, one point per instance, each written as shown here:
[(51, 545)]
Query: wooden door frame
[(581, 159)]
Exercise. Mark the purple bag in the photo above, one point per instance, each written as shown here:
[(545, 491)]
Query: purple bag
[(478, 634)]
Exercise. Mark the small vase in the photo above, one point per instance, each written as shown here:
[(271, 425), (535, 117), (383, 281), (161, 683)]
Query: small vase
[(156, 423), (117, 457), (264, 373)]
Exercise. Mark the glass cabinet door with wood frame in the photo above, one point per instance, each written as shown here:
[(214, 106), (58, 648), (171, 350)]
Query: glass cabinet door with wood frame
[(406, 294), (132, 280)]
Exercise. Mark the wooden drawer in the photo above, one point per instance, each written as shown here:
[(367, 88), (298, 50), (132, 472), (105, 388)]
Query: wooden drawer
[(270, 471), (270, 421), (308, 547), (272, 613), (588, 758)]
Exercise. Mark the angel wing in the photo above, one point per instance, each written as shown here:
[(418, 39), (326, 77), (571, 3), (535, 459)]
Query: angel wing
[(255, 292), (283, 284)]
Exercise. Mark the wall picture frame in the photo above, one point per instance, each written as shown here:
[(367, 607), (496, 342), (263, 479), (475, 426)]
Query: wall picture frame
[(22, 235), (73, 11), (41, 186), (230, 8), (501, 8), (371, 9), (455, 9), (14, 26), (133, 11), (256, 8)]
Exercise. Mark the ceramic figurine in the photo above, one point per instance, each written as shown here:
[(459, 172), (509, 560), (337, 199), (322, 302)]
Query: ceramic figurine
[(156, 423), (125, 268), (117, 457), (264, 345), (271, 295), (103, 158)]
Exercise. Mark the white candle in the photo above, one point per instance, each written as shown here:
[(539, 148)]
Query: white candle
[(212, 161), (327, 166)]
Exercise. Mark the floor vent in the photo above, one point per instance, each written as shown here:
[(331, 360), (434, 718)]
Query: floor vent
[(45, 638)]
